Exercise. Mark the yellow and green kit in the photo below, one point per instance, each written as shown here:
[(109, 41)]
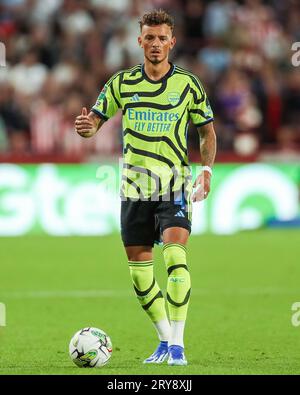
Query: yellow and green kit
[(156, 115)]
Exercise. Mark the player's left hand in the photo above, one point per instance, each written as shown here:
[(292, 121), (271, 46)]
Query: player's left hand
[(201, 186)]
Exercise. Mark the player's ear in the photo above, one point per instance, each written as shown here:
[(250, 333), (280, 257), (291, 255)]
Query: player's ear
[(140, 41), (173, 42)]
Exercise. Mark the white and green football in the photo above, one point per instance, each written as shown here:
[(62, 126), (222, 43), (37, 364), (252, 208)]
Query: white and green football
[(90, 348)]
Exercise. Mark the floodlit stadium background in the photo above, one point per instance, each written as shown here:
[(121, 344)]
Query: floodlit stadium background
[(244, 315), (60, 53)]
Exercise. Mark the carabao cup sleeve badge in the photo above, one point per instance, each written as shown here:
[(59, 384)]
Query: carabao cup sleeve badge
[(102, 94)]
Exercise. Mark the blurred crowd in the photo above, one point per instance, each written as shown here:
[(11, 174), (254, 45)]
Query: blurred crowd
[(59, 54)]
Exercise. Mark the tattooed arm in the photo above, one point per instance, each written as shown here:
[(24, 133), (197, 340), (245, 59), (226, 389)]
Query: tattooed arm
[(208, 146)]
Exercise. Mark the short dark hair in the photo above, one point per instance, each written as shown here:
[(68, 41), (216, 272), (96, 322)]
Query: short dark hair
[(157, 17)]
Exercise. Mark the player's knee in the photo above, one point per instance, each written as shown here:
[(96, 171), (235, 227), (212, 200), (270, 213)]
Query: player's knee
[(175, 235), (139, 253)]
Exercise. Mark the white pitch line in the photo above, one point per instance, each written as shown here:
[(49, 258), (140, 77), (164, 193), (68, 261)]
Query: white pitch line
[(2, 314), (105, 293), (117, 293)]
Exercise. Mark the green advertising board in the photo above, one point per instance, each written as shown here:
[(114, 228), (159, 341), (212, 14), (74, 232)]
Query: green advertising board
[(83, 199)]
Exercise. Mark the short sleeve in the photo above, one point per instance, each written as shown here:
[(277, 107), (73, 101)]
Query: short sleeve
[(200, 110), (108, 103)]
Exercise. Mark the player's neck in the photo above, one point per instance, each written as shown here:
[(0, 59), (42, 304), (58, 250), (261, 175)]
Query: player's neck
[(156, 71)]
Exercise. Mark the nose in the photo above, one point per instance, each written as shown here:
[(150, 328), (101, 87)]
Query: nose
[(156, 42)]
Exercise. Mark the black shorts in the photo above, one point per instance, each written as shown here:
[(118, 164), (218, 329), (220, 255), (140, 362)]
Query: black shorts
[(143, 222)]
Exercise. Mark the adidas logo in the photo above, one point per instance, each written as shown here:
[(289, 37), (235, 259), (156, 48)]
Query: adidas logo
[(135, 97), (179, 214)]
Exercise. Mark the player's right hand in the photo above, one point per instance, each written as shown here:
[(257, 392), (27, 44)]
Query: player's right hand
[(84, 125)]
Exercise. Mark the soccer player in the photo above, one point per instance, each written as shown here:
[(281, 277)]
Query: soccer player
[(158, 99)]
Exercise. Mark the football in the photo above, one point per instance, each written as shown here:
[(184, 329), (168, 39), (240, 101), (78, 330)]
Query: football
[(90, 348)]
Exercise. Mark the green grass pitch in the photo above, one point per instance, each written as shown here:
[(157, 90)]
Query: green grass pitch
[(239, 322)]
